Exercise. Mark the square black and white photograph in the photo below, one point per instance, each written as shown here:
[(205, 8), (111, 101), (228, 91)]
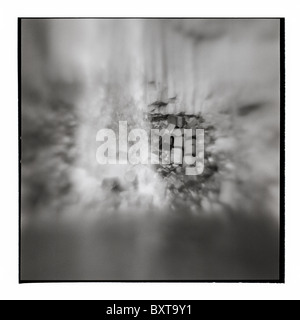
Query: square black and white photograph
[(151, 149)]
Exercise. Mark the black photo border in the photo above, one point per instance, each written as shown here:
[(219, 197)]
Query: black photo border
[(281, 279)]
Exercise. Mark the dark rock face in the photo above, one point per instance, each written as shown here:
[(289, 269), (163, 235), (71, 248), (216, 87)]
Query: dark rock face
[(200, 192)]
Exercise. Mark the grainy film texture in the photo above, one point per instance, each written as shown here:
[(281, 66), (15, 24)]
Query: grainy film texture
[(140, 220)]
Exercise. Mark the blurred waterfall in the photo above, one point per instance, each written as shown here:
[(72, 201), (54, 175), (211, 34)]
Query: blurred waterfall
[(80, 76)]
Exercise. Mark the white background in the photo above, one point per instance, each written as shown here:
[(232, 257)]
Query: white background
[(9, 12)]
